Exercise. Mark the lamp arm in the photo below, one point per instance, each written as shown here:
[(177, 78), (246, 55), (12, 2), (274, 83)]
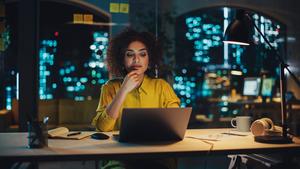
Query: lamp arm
[(282, 66), (279, 57), (266, 40)]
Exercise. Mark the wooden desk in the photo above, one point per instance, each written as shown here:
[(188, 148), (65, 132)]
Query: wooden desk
[(13, 147)]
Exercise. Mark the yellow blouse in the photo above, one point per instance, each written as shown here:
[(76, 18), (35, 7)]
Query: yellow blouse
[(153, 93)]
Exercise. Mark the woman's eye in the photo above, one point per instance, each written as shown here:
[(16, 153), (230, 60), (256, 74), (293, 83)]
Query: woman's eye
[(129, 54), (143, 54)]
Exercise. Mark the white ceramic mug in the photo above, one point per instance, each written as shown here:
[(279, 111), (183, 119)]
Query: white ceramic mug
[(260, 127), (241, 123)]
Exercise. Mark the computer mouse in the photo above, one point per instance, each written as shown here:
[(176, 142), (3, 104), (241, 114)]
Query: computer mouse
[(100, 136)]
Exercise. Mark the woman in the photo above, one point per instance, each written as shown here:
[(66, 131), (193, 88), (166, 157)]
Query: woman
[(133, 56)]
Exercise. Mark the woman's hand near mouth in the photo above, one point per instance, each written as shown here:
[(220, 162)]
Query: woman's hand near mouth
[(131, 81)]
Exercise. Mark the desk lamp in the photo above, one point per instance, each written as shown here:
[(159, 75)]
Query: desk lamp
[(238, 32)]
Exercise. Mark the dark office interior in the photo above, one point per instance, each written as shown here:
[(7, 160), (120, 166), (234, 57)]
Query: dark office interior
[(53, 64)]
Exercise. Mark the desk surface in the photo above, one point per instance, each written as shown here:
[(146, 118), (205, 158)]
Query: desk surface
[(13, 146)]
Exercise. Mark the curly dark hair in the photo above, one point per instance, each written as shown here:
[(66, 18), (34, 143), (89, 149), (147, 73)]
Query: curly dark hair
[(119, 44)]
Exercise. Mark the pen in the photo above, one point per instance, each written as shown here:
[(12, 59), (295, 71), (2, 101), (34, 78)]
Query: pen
[(74, 133)]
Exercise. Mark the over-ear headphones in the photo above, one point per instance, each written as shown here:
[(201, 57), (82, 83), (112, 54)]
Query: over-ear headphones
[(262, 126)]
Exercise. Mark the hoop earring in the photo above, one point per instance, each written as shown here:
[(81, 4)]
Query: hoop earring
[(123, 71), (156, 71)]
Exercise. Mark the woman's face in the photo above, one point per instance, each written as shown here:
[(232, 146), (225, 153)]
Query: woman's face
[(136, 57)]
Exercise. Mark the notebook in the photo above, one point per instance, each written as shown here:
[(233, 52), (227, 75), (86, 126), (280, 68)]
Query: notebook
[(153, 124)]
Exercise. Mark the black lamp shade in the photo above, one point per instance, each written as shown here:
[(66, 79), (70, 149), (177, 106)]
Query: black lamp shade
[(238, 31)]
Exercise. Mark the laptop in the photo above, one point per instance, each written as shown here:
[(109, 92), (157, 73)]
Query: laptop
[(154, 124)]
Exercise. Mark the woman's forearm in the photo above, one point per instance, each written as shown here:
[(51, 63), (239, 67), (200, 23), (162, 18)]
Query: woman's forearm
[(114, 107), (131, 81)]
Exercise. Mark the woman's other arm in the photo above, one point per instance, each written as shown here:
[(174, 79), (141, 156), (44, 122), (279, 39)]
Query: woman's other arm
[(102, 121), (169, 96)]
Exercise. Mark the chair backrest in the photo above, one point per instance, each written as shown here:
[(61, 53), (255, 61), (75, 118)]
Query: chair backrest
[(62, 111), (45, 108), (48, 108), (76, 112)]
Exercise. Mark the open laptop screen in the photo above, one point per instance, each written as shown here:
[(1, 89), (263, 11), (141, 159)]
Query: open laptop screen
[(154, 124)]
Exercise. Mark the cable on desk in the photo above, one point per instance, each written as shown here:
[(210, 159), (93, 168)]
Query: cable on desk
[(207, 141)]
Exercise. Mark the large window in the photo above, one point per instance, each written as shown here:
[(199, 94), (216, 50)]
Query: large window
[(207, 69), (74, 37), (72, 52)]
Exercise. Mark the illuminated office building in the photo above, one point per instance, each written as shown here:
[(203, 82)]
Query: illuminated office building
[(73, 79), (92, 75), (47, 82), (208, 60)]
